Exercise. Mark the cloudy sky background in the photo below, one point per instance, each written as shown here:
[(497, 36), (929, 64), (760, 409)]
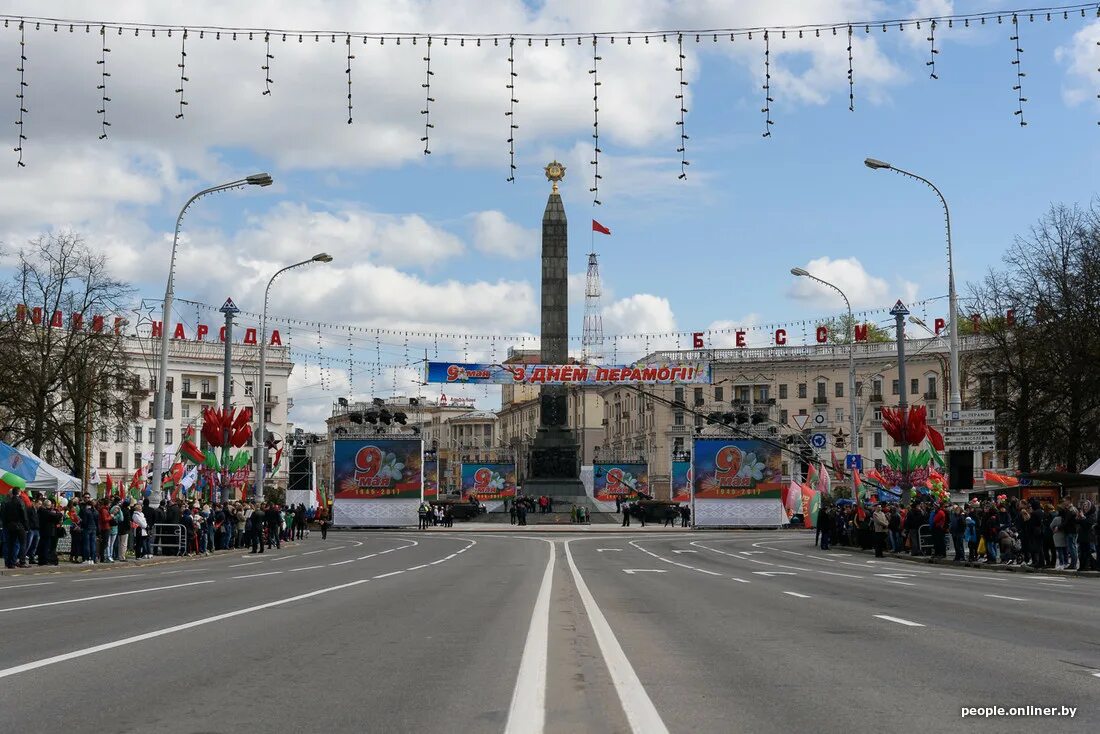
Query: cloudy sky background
[(443, 242)]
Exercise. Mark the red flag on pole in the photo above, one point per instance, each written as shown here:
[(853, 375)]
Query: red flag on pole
[(597, 227)]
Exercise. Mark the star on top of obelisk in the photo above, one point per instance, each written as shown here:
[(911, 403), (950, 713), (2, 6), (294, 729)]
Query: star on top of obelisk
[(555, 172)]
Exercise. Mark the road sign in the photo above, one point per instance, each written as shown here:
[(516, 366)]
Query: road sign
[(801, 421), (853, 461), (818, 440), (975, 446), (229, 307), (820, 419), (977, 415), (977, 428), (899, 309)]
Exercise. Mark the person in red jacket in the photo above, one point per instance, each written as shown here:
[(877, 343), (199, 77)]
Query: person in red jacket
[(104, 529), (939, 532)]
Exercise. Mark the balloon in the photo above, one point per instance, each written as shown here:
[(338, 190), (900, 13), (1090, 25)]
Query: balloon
[(63, 502)]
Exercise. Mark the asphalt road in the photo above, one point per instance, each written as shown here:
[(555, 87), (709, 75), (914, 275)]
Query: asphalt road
[(493, 632)]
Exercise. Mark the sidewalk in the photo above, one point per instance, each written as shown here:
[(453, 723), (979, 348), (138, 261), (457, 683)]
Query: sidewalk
[(493, 527)]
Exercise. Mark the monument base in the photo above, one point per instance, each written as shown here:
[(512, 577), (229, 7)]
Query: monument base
[(554, 464), (554, 488)]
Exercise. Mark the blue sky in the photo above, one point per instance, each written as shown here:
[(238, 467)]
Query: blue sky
[(445, 242)]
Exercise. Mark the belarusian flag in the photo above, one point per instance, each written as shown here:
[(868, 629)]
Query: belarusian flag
[(597, 227), (824, 481), (10, 481), (1001, 479), (110, 485), (857, 494)]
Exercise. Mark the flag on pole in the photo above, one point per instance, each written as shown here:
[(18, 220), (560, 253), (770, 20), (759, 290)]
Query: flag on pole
[(857, 494), (1001, 479), (811, 475), (10, 481), (19, 464), (824, 481), (794, 496), (94, 478), (110, 485), (597, 227)]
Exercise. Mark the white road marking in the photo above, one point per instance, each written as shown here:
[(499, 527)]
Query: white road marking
[(23, 586), (102, 596), (685, 551), (641, 714), (391, 573), (1096, 675), (896, 575), (978, 577), (363, 558), (527, 713), (899, 620), (304, 568), (341, 563), (417, 568), (441, 560), (792, 553), (1010, 598), (774, 573), (391, 550), (283, 558), (310, 553), (179, 570), (339, 547), (602, 550), (795, 593), (743, 581), (633, 571), (238, 565), (709, 573), (255, 575), (900, 583), (106, 578), (34, 665)]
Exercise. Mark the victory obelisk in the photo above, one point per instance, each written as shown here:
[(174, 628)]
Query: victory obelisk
[(554, 467)]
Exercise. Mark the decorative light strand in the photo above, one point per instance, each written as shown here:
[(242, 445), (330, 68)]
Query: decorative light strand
[(933, 51), (851, 76), (428, 99), (1019, 86), (351, 368), (347, 72), (267, 64), (595, 125), (21, 93), (681, 97), (183, 72), (511, 113), (767, 108), (103, 74)]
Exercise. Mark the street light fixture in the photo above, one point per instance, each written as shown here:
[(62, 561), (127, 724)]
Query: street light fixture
[(801, 273), (954, 399), (256, 179), (260, 430)]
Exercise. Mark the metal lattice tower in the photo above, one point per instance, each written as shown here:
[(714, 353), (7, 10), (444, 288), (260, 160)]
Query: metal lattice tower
[(592, 340)]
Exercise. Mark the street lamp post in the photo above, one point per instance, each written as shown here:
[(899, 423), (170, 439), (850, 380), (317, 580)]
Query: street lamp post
[(954, 399), (261, 398), (256, 179), (799, 272)]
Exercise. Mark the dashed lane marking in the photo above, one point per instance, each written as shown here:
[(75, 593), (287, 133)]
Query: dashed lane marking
[(102, 596), (795, 593), (256, 575), (391, 573), (283, 558), (24, 586), (1009, 598), (253, 563), (310, 553), (341, 563), (899, 583), (898, 620), (107, 578), (305, 568)]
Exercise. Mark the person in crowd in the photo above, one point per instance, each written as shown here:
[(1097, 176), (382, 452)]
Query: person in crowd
[(1068, 513), (627, 508), (257, 522), (274, 520), (449, 517), (991, 532), (105, 548), (322, 518), (685, 515), (894, 530), (32, 531), (1086, 524), (670, 516), (422, 515), (141, 532), (116, 530), (15, 520), (957, 525), (76, 536), (970, 535), (89, 523), (521, 513), (125, 523), (914, 518), (826, 521), (512, 513), (881, 526), (1059, 539)]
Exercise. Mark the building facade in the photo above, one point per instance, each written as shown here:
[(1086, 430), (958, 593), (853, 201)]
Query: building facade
[(194, 381), (772, 387)]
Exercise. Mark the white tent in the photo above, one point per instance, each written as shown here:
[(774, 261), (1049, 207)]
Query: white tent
[(1094, 470), (50, 479)]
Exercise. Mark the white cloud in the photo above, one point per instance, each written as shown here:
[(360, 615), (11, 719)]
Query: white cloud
[(1081, 57), (849, 275), (640, 313), (494, 234)]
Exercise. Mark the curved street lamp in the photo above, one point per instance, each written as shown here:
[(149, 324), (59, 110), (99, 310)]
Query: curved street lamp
[(801, 273), (260, 430), (954, 400), (256, 179)]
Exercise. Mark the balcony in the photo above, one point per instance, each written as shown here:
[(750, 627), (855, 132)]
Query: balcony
[(930, 395), (189, 395), (209, 395), (679, 430), (875, 398), (821, 400)]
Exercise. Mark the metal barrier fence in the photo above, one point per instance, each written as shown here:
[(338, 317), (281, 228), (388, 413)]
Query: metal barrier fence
[(168, 540)]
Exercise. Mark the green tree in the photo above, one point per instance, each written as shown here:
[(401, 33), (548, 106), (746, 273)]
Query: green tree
[(840, 330)]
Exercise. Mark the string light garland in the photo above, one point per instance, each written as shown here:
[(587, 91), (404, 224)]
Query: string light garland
[(767, 108), (103, 74), (511, 113), (266, 68), (595, 125), (183, 72), (1019, 86), (21, 93), (681, 98), (347, 72), (932, 51), (427, 85), (851, 76)]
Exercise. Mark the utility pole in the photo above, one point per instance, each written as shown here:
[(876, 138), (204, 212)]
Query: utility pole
[(899, 312), (230, 310)]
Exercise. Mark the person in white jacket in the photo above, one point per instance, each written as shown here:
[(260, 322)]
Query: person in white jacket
[(141, 533)]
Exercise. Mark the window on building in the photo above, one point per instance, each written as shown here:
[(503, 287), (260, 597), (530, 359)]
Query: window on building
[(102, 459), (205, 383), (678, 395), (103, 411), (932, 385), (678, 418), (782, 391), (840, 415), (719, 394), (894, 387), (103, 434), (783, 417), (137, 460), (698, 395), (878, 440), (761, 393), (876, 387), (138, 433), (859, 416), (877, 414), (914, 386), (931, 412), (152, 435), (167, 436), (859, 388), (785, 468), (861, 441), (698, 421), (840, 389), (821, 390), (168, 383), (118, 459), (267, 415), (185, 384), (185, 410), (248, 388), (136, 408), (120, 434), (802, 390)]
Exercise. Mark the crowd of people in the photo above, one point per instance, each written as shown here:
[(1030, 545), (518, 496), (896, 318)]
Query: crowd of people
[(1029, 533), (435, 515), (106, 530)]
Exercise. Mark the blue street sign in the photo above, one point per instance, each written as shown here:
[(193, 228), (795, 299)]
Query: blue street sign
[(853, 461), (229, 307), (818, 440)]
